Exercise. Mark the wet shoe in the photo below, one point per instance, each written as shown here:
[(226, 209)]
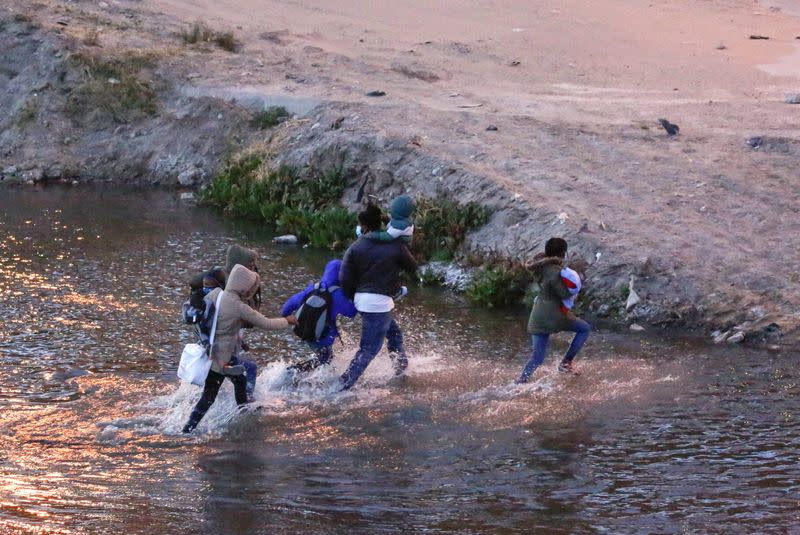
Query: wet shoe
[(399, 363), (236, 369), (567, 367)]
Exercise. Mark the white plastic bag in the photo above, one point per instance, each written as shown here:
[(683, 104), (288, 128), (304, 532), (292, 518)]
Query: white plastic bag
[(194, 364)]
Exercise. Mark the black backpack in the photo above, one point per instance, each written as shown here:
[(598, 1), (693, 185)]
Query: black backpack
[(195, 309), (314, 314)]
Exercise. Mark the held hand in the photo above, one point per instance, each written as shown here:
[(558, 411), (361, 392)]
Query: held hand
[(291, 320)]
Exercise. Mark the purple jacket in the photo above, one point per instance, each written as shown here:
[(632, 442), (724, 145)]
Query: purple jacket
[(340, 305)]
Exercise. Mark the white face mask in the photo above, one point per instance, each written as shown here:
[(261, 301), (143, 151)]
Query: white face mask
[(358, 231)]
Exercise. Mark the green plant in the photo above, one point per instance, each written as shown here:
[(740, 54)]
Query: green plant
[(269, 117), (304, 205), (500, 283), (112, 88), (441, 224)]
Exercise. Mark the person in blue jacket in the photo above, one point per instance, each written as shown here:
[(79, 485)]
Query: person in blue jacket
[(340, 306)]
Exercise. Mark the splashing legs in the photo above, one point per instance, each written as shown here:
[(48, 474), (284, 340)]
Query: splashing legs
[(539, 342)]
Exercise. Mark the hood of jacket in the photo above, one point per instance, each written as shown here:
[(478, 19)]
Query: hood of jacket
[(540, 262), (242, 282), (239, 255), (330, 277)]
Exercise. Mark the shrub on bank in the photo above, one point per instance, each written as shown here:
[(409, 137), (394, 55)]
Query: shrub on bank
[(304, 205), (271, 116), (199, 32), (499, 283), (441, 225), (307, 205), (112, 88)]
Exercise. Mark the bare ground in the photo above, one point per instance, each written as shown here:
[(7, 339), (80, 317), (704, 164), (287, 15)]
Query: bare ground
[(708, 223)]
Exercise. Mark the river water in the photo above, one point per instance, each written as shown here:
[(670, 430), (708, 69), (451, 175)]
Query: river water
[(658, 435)]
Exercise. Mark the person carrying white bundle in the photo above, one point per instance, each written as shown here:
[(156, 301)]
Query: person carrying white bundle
[(233, 312)]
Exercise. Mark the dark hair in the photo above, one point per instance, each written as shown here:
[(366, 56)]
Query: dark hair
[(370, 217), (556, 247)]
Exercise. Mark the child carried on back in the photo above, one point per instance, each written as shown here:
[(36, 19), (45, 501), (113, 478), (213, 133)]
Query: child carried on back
[(572, 281), (323, 303)]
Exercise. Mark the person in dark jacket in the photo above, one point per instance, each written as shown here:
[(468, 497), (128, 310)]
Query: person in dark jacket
[(370, 276), (340, 306), (548, 315)]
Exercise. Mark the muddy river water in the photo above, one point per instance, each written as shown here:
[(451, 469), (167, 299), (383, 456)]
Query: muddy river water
[(658, 435)]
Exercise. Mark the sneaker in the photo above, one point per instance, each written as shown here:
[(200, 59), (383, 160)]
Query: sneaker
[(568, 367), (236, 369)]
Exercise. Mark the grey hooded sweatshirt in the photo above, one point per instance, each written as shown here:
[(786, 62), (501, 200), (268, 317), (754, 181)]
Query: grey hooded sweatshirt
[(234, 312)]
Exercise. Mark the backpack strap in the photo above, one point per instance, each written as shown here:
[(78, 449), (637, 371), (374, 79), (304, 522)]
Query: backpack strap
[(332, 289), (214, 323)]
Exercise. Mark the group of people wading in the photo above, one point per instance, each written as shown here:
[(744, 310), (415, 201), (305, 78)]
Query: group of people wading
[(366, 282)]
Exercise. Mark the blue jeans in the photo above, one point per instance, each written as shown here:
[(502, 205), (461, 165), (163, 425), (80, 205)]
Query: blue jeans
[(540, 342), (375, 327), (250, 373)]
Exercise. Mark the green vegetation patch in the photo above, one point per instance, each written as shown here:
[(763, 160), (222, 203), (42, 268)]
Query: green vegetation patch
[(304, 205), (499, 283), (308, 206), (112, 88), (441, 224), (269, 117)]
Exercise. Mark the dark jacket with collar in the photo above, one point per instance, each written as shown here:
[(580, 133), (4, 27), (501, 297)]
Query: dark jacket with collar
[(547, 315), (371, 265)]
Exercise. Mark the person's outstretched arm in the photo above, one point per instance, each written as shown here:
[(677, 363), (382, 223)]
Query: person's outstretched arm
[(258, 320)]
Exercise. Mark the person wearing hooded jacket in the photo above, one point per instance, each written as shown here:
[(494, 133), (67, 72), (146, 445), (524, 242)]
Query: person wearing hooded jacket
[(549, 315), (340, 306), (233, 312), (370, 276), (236, 254)]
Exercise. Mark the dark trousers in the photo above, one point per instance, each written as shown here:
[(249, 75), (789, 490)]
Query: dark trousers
[(210, 391), (250, 372), (541, 341), (375, 328)]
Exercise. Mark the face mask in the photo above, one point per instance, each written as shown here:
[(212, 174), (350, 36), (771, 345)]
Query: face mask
[(358, 231)]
